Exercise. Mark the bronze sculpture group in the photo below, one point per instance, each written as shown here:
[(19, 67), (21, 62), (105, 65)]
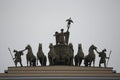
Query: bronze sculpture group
[(62, 53)]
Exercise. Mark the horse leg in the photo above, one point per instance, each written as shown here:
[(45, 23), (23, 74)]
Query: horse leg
[(37, 60), (71, 61), (80, 61), (85, 61), (50, 60), (99, 64), (27, 63), (53, 61), (76, 61), (44, 61), (89, 63), (21, 64), (94, 63), (30, 63), (34, 63), (40, 60), (105, 65), (16, 64)]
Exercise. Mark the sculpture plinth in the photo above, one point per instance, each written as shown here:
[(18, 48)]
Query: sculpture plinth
[(59, 72), (65, 55)]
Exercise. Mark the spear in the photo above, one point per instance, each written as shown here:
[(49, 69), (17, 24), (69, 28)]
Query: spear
[(109, 57), (11, 55)]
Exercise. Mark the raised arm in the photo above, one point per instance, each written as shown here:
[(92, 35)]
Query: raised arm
[(97, 51)]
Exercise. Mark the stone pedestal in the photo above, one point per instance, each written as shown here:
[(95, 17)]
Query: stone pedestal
[(60, 72), (63, 53)]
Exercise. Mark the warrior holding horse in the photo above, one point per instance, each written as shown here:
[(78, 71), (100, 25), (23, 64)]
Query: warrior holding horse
[(103, 57)]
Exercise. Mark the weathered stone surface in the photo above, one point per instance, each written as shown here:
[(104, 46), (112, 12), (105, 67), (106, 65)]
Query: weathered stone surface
[(63, 52), (58, 68), (59, 72)]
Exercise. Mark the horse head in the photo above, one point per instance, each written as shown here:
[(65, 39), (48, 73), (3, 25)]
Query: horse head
[(80, 51), (40, 46), (40, 51), (79, 46), (93, 47), (70, 45), (15, 51), (51, 45), (28, 47)]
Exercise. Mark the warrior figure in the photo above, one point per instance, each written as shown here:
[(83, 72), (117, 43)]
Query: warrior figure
[(61, 37), (18, 57), (57, 37), (103, 58)]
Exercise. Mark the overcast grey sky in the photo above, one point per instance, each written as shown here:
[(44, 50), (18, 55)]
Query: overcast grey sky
[(32, 22)]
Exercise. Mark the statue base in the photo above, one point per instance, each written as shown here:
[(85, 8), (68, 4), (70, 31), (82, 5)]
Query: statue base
[(65, 55), (59, 72)]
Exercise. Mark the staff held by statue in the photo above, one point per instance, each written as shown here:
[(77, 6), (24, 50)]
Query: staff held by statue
[(109, 58), (11, 55)]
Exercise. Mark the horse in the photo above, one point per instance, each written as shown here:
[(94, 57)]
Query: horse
[(52, 55), (70, 55), (40, 56), (79, 56), (90, 57), (86, 60), (31, 59)]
